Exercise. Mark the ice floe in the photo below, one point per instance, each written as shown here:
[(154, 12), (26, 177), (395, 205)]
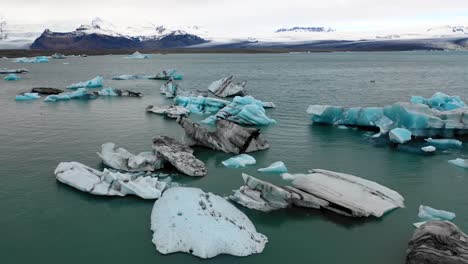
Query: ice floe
[(93, 83), (276, 167), (171, 111), (239, 161), (463, 163), (227, 87), (83, 93), (108, 183), (27, 96), (202, 224), (228, 137), (12, 77), (120, 159)]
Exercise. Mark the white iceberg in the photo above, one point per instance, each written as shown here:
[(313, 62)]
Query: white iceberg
[(460, 162), (399, 135), (120, 159), (171, 111), (239, 161), (429, 149), (276, 167), (93, 83), (202, 224), (108, 183)]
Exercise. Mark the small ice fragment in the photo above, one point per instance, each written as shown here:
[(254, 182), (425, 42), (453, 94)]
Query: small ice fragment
[(27, 96), (460, 162), (428, 149), (427, 213), (277, 167), (239, 161), (400, 135), (12, 77)]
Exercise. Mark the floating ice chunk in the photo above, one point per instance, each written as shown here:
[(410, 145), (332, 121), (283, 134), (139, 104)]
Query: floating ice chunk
[(335, 115), (6, 71), (227, 87), (202, 224), (428, 149), (120, 159), (445, 143), (400, 135), (268, 105), (440, 101), (244, 110), (167, 75), (38, 59), (27, 96), (93, 83), (277, 167), (108, 183), (12, 77), (239, 161), (137, 55), (427, 213), (179, 155), (460, 162), (170, 89), (228, 137), (58, 56), (200, 104), (83, 93), (171, 111), (125, 77)]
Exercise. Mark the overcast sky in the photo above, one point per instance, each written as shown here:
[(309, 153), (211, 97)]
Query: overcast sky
[(244, 15)]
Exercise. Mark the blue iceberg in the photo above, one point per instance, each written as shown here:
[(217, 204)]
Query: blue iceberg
[(276, 167), (427, 213), (93, 83), (440, 101), (239, 161), (445, 143), (12, 77), (81, 93), (200, 104), (138, 55), (38, 59), (399, 135), (27, 96), (167, 75), (463, 163), (244, 110)]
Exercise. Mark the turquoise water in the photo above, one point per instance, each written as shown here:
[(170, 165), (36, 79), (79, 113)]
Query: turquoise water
[(43, 220)]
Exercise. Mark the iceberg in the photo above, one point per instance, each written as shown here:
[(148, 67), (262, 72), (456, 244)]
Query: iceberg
[(239, 161), (440, 101), (227, 87), (244, 110), (58, 56), (228, 137), (126, 77), (427, 213), (339, 192), (459, 162), (46, 90), (27, 96), (171, 111), (445, 143), (167, 75), (8, 71), (170, 89), (179, 155), (399, 135), (437, 242), (38, 59), (137, 55), (93, 83), (200, 104), (12, 77), (276, 167), (108, 183), (120, 159), (202, 224), (428, 149), (83, 93)]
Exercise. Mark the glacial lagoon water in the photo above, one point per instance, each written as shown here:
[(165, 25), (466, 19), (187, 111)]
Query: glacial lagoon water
[(43, 220)]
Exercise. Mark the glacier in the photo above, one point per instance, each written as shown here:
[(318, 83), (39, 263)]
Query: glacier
[(138, 55), (12, 77), (339, 192), (463, 163), (120, 159), (202, 224), (276, 167), (108, 183), (167, 75), (399, 135), (27, 96), (239, 161), (227, 87), (93, 83), (38, 59), (244, 110), (200, 104)]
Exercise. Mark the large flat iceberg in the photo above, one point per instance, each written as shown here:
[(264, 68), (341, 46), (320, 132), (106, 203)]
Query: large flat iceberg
[(93, 83), (108, 183), (83, 93), (202, 224)]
